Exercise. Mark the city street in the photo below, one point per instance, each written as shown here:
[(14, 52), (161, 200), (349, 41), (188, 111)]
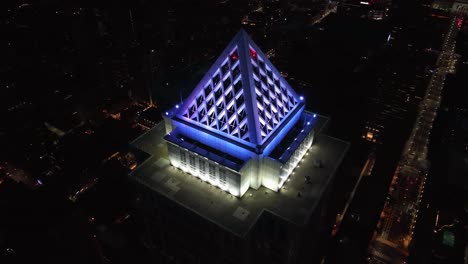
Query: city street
[(395, 228)]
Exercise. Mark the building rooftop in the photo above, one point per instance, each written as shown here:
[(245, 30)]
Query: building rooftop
[(152, 114), (295, 202)]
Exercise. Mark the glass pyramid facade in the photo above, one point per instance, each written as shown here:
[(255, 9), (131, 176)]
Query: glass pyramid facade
[(243, 97)]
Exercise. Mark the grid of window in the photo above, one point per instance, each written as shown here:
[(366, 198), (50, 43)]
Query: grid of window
[(183, 160), (222, 176), (212, 171), (201, 165), (221, 104), (274, 101), (192, 162)]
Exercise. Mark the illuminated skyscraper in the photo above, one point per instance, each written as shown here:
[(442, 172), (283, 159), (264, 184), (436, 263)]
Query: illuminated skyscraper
[(227, 131), (236, 156)]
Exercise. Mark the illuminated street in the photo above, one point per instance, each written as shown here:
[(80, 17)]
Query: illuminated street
[(395, 229)]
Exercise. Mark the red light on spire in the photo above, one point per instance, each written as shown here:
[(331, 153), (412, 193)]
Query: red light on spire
[(459, 23), (253, 53), (234, 56)]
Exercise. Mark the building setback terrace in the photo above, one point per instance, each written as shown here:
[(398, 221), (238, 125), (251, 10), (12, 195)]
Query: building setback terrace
[(294, 202)]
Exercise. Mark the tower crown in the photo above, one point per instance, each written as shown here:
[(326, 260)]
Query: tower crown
[(242, 96)]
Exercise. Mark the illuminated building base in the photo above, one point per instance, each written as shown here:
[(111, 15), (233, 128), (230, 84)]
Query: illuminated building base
[(238, 175)]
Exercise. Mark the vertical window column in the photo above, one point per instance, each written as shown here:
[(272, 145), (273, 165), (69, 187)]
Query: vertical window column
[(212, 172)]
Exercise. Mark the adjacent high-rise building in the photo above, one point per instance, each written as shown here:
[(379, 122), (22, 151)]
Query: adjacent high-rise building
[(457, 7), (238, 172)]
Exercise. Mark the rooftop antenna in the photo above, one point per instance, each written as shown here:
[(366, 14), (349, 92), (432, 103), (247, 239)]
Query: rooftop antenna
[(132, 25), (150, 95), (180, 94), (152, 77)]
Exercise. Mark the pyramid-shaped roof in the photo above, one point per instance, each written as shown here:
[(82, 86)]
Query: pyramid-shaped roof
[(242, 96)]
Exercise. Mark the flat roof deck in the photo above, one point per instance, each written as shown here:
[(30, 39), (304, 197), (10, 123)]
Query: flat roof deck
[(238, 215)]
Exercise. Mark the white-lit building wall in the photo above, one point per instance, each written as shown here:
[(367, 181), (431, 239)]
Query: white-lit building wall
[(249, 174), (267, 172), (205, 169), (295, 159)]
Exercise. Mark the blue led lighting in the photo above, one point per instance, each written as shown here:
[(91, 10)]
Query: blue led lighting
[(242, 97)]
